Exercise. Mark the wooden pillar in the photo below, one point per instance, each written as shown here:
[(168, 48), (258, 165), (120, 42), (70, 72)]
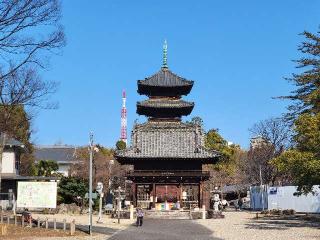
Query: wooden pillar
[(154, 195), (134, 194), (200, 194), (181, 192), (199, 197)]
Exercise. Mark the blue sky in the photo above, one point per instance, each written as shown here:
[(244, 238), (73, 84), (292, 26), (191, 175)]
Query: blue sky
[(237, 52)]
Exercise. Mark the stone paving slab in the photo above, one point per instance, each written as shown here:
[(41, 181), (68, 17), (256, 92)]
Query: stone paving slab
[(159, 229)]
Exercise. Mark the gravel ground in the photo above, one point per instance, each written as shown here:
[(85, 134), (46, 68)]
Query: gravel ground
[(101, 230), (243, 225), (235, 225)]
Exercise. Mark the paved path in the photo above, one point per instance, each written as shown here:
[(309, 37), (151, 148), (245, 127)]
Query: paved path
[(157, 229)]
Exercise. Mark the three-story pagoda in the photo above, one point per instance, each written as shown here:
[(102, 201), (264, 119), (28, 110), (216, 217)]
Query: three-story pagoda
[(166, 154)]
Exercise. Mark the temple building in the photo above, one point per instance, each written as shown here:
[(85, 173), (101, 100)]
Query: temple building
[(166, 154)]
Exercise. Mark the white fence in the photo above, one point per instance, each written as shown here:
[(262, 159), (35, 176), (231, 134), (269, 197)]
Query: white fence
[(283, 198)]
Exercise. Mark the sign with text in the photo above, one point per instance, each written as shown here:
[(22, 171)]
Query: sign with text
[(37, 195)]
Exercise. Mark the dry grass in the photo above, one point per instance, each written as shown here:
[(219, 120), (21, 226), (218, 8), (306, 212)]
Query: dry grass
[(19, 232)]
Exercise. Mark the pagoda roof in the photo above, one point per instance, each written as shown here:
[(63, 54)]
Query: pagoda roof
[(167, 140), (161, 107), (164, 79)]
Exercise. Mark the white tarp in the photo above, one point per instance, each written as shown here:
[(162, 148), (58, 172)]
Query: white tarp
[(283, 198), (37, 195)]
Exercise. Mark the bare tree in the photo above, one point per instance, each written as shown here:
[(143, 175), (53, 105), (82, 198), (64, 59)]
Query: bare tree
[(259, 157), (29, 31), (275, 131), (23, 87), (231, 172), (103, 169), (276, 134)]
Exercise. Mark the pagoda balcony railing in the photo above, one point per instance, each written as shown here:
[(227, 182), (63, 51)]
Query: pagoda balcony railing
[(167, 173)]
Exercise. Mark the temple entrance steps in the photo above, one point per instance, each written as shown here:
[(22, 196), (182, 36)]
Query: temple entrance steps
[(167, 214)]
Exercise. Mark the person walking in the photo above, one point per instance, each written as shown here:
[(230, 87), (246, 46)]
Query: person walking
[(240, 203), (139, 217)]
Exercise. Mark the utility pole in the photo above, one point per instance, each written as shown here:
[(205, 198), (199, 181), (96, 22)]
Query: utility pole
[(90, 183), (1, 154)]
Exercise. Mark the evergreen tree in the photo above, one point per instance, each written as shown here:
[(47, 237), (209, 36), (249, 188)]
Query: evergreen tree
[(121, 145), (47, 168), (302, 163), (306, 96), (71, 189)]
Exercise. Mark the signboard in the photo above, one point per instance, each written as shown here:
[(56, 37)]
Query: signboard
[(273, 190), (94, 195), (37, 195)]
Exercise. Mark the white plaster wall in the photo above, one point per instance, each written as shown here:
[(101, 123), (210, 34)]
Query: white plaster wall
[(8, 162), (64, 169)]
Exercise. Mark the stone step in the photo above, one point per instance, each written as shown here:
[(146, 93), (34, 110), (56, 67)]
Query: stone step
[(167, 214)]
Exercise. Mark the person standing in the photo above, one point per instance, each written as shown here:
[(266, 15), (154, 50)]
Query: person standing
[(139, 217)]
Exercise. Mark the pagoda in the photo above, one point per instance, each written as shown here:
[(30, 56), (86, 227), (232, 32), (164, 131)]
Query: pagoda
[(166, 154)]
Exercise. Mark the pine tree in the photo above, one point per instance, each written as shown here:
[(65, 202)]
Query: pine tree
[(306, 96)]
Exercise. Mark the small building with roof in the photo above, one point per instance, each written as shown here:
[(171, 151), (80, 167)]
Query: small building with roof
[(10, 171), (63, 155)]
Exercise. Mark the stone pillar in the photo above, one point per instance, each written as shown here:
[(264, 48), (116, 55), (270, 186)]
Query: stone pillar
[(64, 225), (131, 212), (203, 211), (73, 227)]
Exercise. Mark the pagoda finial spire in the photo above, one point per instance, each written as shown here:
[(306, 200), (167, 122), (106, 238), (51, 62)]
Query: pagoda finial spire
[(165, 56)]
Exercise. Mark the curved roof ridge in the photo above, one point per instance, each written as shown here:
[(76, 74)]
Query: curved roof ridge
[(165, 78)]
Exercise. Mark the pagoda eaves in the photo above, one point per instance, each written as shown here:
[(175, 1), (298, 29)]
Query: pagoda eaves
[(164, 108), (164, 83)]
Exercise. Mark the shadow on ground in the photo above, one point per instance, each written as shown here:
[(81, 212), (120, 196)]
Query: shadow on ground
[(282, 223), (97, 229), (162, 229)]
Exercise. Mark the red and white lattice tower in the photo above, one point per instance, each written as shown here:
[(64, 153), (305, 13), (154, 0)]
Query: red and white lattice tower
[(123, 135)]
